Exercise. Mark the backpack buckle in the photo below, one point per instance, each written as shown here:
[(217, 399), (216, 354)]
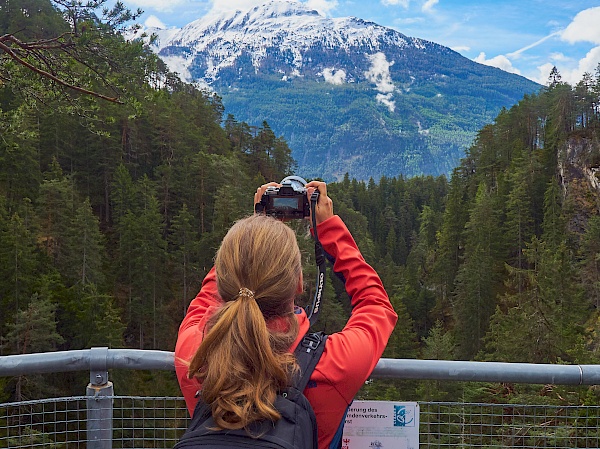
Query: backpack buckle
[(311, 342)]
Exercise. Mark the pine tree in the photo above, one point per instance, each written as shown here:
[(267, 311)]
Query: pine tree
[(19, 266), (519, 221), (554, 223), (438, 345), (84, 251), (545, 310), (55, 210), (122, 194), (403, 343), (184, 239), (542, 303), (143, 249), (98, 319), (478, 279), (450, 244), (33, 331), (590, 261)]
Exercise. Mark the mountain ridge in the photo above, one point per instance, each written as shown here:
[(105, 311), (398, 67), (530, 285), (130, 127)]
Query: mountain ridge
[(347, 94)]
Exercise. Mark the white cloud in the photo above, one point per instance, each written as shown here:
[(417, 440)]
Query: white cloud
[(158, 5), (220, 6), (584, 27), (387, 100), (429, 4), (589, 63), (570, 74), (408, 21), (460, 48), (561, 57), (500, 61), (154, 22), (379, 73), (334, 76), (543, 73), (324, 7), (403, 3), (178, 65)]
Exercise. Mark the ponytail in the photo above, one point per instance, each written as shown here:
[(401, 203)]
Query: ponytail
[(241, 363)]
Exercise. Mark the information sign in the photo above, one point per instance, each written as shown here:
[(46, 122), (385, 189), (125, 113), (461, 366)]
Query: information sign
[(381, 425)]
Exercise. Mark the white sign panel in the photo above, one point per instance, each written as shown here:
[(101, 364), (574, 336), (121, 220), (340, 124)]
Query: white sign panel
[(381, 425)]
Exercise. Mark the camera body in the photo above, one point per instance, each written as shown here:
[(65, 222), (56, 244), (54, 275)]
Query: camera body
[(286, 202)]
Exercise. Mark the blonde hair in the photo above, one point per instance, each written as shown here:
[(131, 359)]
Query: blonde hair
[(240, 362)]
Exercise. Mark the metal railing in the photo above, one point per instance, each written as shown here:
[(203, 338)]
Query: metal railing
[(101, 420)]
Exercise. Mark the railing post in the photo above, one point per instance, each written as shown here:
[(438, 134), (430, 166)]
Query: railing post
[(99, 402)]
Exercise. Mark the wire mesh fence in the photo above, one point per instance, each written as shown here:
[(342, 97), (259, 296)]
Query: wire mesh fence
[(158, 422), (148, 422), (47, 423), (469, 425), (138, 422)]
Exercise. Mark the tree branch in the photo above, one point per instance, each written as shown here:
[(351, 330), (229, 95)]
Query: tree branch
[(27, 47)]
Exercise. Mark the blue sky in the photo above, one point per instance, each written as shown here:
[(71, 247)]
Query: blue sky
[(526, 37)]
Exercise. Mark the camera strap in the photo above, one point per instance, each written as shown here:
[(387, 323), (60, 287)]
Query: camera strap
[(312, 311)]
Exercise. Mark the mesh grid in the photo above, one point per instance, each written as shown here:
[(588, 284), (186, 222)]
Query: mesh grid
[(62, 422), (158, 422), (508, 425), (48, 423), (148, 422)]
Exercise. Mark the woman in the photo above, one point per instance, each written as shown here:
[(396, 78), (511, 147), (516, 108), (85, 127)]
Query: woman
[(237, 339)]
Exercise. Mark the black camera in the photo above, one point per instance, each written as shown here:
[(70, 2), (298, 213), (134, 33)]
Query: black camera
[(286, 202)]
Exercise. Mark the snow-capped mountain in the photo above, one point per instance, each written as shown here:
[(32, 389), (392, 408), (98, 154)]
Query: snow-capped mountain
[(288, 33), (348, 95)]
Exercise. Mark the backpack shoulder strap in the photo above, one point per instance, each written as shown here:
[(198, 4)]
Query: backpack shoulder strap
[(308, 353)]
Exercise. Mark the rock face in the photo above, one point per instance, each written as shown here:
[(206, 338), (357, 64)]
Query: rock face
[(348, 95), (579, 170)]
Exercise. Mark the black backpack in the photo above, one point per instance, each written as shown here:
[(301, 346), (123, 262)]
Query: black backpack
[(297, 428)]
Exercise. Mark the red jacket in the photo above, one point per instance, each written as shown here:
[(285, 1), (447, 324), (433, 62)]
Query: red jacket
[(349, 356)]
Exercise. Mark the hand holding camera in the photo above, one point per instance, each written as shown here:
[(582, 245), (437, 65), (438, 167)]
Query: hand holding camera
[(291, 199), (295, 198)]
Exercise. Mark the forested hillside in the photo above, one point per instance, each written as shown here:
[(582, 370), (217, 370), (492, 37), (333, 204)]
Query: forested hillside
[(111, 213)]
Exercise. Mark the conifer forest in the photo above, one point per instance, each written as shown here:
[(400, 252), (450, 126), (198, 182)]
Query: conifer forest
[(118, 181)]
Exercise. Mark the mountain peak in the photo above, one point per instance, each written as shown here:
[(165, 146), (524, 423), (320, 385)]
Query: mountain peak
[(279, 36)]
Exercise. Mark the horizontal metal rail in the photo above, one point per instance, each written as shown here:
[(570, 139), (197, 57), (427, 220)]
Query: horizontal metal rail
[(90, 359), (529, 373), (85, 360)]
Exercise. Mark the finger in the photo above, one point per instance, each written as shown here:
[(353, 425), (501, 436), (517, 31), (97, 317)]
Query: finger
[(262, 189), (320, 185), (256, 196)]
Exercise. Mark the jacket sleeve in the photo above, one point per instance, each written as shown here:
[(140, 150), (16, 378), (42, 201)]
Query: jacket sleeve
[(190, 336), (353, 353)]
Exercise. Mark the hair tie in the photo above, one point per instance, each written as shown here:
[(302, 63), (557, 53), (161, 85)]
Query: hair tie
[(246, 292)]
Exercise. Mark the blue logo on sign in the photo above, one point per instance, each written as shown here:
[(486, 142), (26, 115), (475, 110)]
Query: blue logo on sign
[(402, 417)]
